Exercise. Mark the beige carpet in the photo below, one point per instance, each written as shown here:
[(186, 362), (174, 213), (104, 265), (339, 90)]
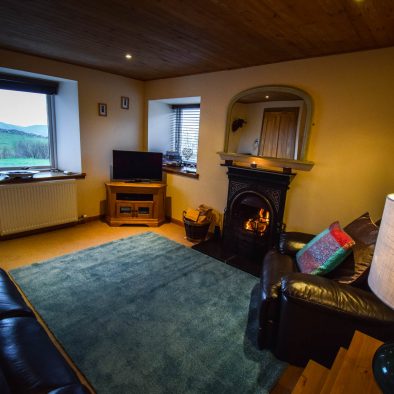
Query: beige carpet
[(27, 250)]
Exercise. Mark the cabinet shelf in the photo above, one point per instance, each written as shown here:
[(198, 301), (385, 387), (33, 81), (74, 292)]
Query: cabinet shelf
[(135, 203)]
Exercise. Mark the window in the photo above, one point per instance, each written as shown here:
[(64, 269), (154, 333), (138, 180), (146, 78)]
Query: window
[(173, 129), (184, 132), (27, 135)]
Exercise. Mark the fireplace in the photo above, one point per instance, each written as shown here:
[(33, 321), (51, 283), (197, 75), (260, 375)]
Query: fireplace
[(253, 218), (248, 224)]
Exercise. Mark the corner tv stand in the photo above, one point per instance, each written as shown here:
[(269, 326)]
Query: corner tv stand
[(135, 203)]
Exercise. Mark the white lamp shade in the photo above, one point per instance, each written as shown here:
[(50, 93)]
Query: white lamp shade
[(381, 276)]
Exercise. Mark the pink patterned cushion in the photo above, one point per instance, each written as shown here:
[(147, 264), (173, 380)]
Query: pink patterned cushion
[(325, 252), (354, 270)]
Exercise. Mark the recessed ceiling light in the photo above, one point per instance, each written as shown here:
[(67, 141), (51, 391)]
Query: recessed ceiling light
[(128, 56), (267, 97)]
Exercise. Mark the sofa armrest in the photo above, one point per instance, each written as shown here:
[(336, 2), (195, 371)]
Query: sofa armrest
[(11, 301), (318, 315), (331, 296), (275, 265), (30, 361), (291, 242)]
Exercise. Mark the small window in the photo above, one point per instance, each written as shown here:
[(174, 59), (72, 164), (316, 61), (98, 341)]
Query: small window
[(27, 135), (184, 133), (173, 129)]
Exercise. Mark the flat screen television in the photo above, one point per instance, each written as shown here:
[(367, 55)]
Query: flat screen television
[(133, 166)]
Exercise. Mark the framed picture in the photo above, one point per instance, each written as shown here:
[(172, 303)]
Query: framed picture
[(102, 109), (124, 102)]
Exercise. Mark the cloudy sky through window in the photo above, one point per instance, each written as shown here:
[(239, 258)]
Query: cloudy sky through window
[(23, 109)]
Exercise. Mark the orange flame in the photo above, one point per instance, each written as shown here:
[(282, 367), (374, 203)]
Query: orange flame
[(258, 223)]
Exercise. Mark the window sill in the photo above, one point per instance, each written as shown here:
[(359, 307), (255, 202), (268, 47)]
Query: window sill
[(43, 176), (180, 171)]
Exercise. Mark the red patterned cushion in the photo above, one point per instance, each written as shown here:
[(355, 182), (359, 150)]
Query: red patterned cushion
[(354, 270), (325, 252)]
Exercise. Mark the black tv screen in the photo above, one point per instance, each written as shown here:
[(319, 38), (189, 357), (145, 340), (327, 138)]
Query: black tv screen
[(136, 166)]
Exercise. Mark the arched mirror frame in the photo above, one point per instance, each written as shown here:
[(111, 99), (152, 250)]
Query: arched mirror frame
[(264, 90)]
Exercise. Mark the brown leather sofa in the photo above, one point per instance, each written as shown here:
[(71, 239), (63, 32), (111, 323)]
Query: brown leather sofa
[(303, 316), (29, 361)]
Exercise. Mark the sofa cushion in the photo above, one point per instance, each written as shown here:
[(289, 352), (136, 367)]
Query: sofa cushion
[(11, 301), (363, 229), (28, 358), (325, 251), (354, 270)]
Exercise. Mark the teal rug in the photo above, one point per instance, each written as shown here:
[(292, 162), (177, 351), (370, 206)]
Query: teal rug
[(147, 315)]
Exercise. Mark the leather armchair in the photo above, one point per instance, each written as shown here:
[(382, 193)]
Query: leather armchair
[(303, 316)]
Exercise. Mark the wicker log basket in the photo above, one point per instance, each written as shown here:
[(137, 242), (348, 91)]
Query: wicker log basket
[(196, 231)]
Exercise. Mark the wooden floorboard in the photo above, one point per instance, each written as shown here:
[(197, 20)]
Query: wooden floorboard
[(288, 380), (312, 379)]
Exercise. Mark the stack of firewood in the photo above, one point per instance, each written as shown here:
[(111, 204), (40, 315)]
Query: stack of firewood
[(201, 215)]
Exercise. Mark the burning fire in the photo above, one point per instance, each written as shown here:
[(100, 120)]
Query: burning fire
[(258, 223)]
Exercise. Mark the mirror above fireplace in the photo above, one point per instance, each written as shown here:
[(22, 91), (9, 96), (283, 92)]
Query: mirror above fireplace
[(269, 126)]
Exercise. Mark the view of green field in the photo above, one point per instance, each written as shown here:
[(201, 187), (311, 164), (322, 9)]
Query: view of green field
[(10, 139), (24, 162), (24, 129), (19, 149)]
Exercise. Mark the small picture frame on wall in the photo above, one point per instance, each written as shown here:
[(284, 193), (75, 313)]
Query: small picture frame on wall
[(102, 109), (124, 102)]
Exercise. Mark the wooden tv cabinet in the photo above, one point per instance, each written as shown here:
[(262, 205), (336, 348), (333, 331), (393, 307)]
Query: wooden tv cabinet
[(135, 203)]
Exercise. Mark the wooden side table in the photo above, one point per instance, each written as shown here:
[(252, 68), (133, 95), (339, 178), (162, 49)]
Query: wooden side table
[(351, 372)]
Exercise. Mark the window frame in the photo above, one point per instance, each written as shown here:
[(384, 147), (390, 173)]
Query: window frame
[(39, 86), (176, 133), (52, 131)]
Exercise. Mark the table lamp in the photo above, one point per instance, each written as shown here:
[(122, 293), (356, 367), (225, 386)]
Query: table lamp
[(381, 282)]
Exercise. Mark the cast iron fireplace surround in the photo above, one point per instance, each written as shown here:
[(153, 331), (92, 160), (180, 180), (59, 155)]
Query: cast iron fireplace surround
[(253, 218)]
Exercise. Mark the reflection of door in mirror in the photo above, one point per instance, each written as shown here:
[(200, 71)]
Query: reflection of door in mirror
[(248, 138), (279, 133)]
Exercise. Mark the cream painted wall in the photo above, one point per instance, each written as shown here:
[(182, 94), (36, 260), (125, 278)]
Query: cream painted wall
[(352, 138), (159, 126), (121, 129)]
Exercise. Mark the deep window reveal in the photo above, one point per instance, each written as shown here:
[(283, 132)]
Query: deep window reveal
[(27, 130)]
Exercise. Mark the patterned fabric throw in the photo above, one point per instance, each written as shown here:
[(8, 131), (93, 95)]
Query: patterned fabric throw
[(325, 252)]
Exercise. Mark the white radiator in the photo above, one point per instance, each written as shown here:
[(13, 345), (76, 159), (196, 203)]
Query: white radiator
[(28, 206)]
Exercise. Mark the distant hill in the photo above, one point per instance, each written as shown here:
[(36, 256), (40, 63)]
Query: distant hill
[(41, 130)]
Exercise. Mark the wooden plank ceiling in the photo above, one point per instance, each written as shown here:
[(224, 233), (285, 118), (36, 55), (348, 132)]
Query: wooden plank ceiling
[(169, 38)]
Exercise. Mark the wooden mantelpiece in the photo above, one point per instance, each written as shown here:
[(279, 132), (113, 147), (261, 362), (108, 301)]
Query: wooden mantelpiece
[(260, 161)]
